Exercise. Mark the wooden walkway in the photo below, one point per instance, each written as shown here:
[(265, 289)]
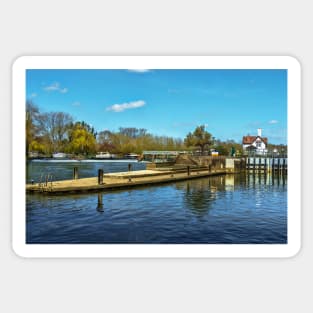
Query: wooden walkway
[(112, 181)]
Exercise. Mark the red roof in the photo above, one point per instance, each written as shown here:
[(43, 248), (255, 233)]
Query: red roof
[(248, 140)]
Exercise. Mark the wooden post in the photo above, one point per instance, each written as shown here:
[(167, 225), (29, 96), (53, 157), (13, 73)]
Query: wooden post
[(100, 176), (279, 169), (75, 173), (188, 170), (129, 167)]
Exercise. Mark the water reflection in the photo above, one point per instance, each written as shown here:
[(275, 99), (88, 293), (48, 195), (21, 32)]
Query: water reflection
[(221, 209), (100, 203), (199, 194)]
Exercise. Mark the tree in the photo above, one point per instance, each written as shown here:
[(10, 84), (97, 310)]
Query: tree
[(81, 141), (132, 132), (56, 126), (199, 138), (105, 141), (33, 125), (222, 149)]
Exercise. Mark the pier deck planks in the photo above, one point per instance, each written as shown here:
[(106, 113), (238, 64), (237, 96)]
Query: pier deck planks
[(116, 181)]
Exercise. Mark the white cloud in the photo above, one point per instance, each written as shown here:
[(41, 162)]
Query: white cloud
[(76, 104), (55, 87), (52, 87), (273, 122), (120, 107), (139, 70), (33, 95)]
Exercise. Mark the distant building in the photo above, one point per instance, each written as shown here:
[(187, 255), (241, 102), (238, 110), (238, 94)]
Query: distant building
[(256, 144)]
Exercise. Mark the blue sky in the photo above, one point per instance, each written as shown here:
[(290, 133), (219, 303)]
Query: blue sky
[(231, 103)]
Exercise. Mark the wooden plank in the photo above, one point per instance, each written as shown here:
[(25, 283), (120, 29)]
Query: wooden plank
[(91, 184)]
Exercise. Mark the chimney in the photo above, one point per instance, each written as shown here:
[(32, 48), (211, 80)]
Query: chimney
[(260, 132)]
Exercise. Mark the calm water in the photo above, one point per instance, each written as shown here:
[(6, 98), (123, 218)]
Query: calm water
[(224, 209), (63, 169)]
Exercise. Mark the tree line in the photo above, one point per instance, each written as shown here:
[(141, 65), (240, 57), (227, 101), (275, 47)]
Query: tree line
[(51, 132)]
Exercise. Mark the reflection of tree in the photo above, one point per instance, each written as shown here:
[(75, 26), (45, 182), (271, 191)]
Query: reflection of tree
[(200, 193)]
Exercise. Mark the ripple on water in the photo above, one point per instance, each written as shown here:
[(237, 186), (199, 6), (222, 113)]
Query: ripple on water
[(198, 211)]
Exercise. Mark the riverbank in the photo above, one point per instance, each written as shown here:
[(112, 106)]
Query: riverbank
[(119, 180)]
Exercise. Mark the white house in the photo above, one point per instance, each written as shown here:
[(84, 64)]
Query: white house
[(257, 144)]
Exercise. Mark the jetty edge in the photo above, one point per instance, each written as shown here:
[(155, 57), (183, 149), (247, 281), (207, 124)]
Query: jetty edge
[(184, 168), (120, 180)]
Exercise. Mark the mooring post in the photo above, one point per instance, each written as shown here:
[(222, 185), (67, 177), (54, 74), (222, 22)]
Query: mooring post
[(75, 173), (188, 170), (129, 167), (100, 176)]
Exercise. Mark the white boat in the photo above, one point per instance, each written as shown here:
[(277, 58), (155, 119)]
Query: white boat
[(59, 155), (105, 155), (132, 156)]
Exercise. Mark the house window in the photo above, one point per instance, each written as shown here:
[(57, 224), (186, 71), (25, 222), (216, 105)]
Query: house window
[(258, 144)]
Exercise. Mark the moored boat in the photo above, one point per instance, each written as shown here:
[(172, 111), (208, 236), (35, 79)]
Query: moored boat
[(105, 155), (59, 155)]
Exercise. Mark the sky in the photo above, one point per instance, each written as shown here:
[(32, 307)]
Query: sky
[(230, 103)]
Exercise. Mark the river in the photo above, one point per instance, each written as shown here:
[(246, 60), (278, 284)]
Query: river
[(227, 209)]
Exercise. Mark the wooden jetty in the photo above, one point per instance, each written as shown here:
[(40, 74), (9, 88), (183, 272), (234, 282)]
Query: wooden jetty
[(185, 168), (121, 180)]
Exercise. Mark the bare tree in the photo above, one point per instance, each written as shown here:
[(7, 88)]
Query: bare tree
[(56, 126)]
